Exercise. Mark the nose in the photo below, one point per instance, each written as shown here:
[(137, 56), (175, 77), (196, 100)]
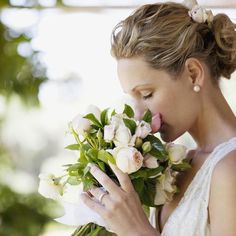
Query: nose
[(139, 109)]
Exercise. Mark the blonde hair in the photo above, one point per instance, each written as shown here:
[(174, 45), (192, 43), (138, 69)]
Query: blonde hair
[(165, 36)]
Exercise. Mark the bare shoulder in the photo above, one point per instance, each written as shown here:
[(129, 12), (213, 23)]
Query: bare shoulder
[(226, 166), (224, 174), (222, 212)]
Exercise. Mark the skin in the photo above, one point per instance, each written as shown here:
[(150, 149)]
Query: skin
[(209, 120)]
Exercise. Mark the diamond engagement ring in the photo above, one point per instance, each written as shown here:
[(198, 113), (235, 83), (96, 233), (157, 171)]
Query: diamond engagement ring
[(101, 196)]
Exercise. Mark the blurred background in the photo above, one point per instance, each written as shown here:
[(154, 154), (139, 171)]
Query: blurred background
[(54, 61)]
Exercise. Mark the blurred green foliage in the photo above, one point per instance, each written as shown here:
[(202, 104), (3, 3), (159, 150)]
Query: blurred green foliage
[(23, 215), (28, 3), (18, 75), (20, 214)]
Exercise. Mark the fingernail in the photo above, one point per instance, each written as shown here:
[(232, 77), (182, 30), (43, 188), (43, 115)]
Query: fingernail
[(91, 166)]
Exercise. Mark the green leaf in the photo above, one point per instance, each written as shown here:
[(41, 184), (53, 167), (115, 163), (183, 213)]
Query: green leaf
[(147, 116), (73, 180), (75, 166), (154, 172), (92, 155), (93, 119), (146, 190), (104, 117), (86, 170), (82, 157), (113, 113), (149, 192), (128, 111), (146, 210), (182, 166), (88, 183), (106, 156), (141, 173), (138, 185), (73, 147), (76, 170), (130, 124), (101, 165), (158, 149)]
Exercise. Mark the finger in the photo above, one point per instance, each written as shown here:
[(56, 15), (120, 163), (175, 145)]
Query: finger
[(104, 180), (95, 206), (123, 178), (97, 192)]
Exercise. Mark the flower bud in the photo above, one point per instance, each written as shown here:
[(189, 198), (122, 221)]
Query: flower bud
[(176, 152), (147, 147), (80, 124), (138, 142)]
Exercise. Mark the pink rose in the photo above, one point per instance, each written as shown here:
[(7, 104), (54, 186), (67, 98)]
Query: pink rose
[(128, 159)]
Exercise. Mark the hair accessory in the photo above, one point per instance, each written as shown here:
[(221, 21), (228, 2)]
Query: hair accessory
[(196, 88), (198, 13)]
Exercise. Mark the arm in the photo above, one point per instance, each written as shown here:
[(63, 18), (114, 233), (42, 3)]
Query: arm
[(223, 197)]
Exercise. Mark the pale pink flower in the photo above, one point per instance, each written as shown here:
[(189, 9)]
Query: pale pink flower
[(128, 159)]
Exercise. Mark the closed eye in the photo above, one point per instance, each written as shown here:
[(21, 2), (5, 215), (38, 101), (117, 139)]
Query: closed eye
[(147, 96)]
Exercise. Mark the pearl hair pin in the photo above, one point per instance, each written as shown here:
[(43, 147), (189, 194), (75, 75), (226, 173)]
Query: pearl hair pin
[(196, 88)]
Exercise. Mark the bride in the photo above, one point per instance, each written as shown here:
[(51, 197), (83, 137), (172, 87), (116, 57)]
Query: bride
[(170, 58)]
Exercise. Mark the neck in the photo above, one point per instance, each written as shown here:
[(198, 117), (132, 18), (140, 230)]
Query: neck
[(216, 123)]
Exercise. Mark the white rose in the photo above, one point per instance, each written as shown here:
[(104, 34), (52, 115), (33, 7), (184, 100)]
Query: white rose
[(80, 124), (123, 137), (109, 132), (128, 159), (94, 110), (165, 187), (143, 129), (161, 196), (150, 161), (49, 187), (117, 120), (177, 152)]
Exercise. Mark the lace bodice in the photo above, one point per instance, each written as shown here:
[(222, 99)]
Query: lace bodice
[(190, 217)]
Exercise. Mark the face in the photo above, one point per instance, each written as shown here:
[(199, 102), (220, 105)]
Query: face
[(158, 91)]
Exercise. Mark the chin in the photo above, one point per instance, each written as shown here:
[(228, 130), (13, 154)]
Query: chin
[(165, 137), (168, 137)]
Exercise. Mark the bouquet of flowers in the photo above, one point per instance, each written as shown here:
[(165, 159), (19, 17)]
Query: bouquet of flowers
[(129, 143)]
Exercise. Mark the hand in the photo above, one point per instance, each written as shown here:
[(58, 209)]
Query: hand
[(121, 207)]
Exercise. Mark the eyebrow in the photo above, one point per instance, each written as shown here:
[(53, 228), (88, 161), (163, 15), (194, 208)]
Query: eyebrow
[(138, 86)]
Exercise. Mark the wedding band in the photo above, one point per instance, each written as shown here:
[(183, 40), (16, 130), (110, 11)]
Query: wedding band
[(101, 196)]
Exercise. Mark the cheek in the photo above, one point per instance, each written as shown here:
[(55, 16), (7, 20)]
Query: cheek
[(174, 109)]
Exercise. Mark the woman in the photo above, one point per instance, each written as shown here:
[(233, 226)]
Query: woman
[(170, 59)]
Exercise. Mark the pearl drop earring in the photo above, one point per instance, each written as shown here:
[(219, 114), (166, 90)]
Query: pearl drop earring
[(196, 88)]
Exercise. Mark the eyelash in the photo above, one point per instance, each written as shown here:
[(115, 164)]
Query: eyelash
[(147, 96)]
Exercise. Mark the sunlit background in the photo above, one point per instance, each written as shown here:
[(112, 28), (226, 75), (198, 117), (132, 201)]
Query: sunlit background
[(54, 61)]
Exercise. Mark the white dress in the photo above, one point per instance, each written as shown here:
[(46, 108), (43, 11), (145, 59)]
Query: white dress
[(190, 217)]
